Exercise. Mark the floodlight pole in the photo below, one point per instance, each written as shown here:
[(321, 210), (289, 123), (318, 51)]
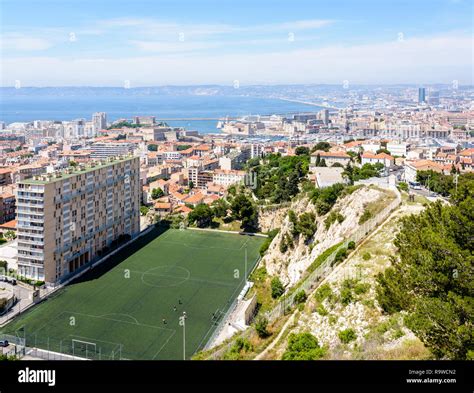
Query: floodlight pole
[(245, 264), (183, 320)]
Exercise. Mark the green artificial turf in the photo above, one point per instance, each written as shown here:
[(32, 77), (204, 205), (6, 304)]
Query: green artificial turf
[(117, 309)]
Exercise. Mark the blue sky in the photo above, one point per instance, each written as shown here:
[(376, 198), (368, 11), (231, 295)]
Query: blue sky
[(145, 42)]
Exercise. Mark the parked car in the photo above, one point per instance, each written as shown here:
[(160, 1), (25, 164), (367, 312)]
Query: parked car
[(4, 343)]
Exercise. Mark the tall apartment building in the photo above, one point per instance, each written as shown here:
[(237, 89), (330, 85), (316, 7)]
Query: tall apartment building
[(99, 119), (257, 150), (421, 95), (67, 219), (111, 149)]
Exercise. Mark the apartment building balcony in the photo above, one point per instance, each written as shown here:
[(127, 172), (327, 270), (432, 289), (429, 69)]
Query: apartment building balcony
[(30, 260), (28, 248), (32, 242), (25, 219)]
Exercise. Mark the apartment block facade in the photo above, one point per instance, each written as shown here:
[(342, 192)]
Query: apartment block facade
[(7, 207), (70, 218)]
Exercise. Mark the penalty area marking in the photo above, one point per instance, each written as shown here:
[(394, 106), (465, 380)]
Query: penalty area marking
[(116, 320), (164, 345), (125, 315)]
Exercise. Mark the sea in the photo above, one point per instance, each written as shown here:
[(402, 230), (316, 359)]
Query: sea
[(39, 106)]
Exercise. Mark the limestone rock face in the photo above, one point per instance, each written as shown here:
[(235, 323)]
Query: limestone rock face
[(289, 266), (272, 218)]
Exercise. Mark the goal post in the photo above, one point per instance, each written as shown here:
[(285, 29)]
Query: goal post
[(82, 348)]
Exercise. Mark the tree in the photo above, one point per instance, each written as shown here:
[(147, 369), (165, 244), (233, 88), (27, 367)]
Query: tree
[(318, 160), (157, 193), (324, 146), (183, 147), (364, 172), (292, 185), (201, 215), (300, 297), (244, 210), (436, 182), (303, 346), (261, 327), (191, 185), (252, 163), (219, 208), (302, 150), (325, 198), (306, 225), (10, 235), (435, 266), (144, 210), (403, 186), (277, 287)]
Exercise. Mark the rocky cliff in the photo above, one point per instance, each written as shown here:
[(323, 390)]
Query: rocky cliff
[(289, 266)]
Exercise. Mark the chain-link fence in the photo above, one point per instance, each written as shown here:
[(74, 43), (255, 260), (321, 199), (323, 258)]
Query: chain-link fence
[(311, 282), (222, 323), (52, 348)]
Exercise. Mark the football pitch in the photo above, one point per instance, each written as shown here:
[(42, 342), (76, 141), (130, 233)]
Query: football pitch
[(130, 306)]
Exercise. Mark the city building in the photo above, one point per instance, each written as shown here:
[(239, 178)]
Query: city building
[(235, 159), (99, 120), (111, 149), (331, 157), (144, 120), (66, 220), (7, 207), (198, 177), (5, 176), (398, 149), (382, 158), (411, 167), (226, 178), (421, 95)]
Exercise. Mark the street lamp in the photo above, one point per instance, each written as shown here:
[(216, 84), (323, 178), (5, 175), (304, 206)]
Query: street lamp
[(182, 322)]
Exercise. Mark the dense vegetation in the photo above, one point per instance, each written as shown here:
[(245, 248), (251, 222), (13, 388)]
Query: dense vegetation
[(443, 184), (354, 173), (435, 270), (305, 224), (279, 177), (240, 208), (325, 198), (303, 346), (157, 193)]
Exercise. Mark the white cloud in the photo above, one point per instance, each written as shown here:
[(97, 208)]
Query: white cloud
[(300, 25), (416, 60), (170, 47), (19, 42), (162, 28)]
